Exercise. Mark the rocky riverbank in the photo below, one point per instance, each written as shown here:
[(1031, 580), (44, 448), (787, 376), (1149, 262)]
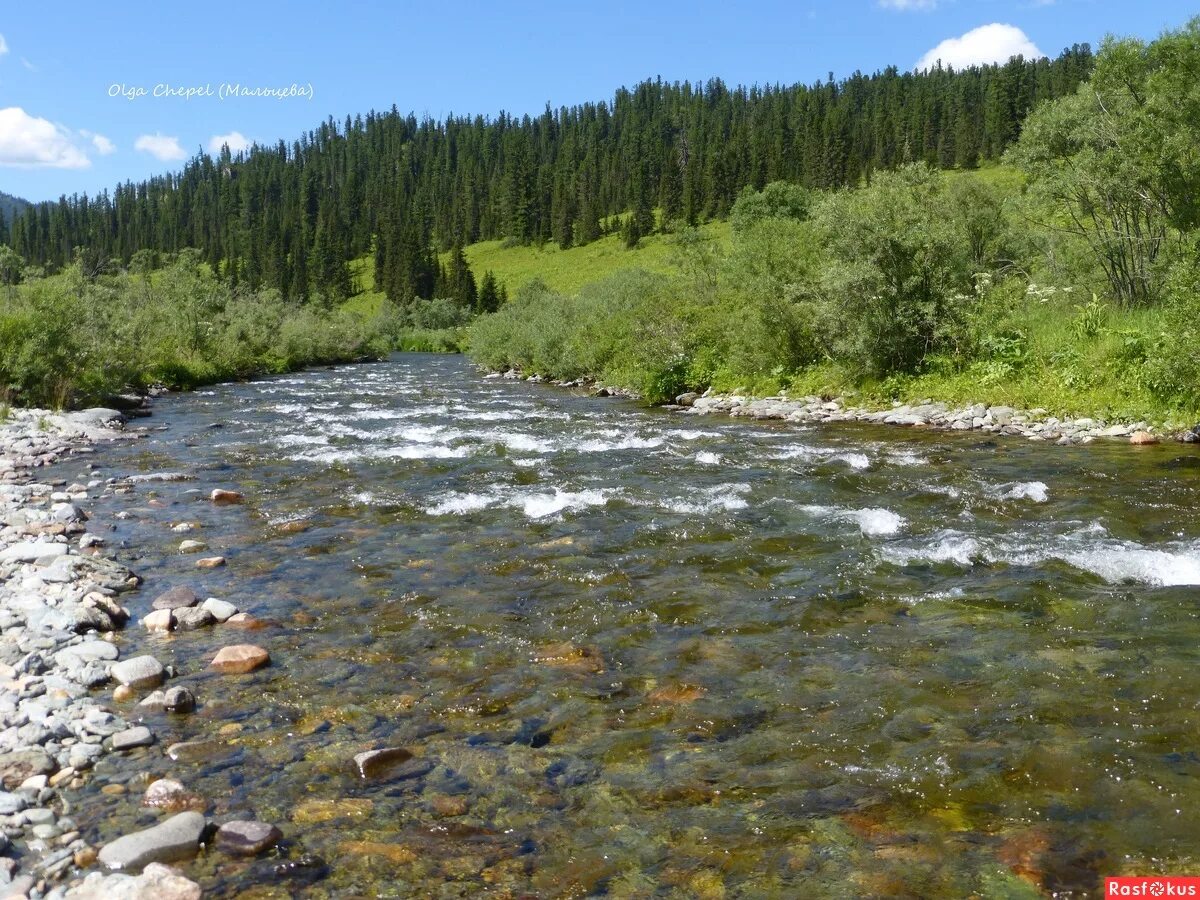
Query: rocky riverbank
[(1033, 424), (62, 605)]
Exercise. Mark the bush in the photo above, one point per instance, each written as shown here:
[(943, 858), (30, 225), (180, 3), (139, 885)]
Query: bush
[(900, 265), (75, 338)]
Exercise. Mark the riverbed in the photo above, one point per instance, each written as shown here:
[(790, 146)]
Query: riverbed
[(644, 653)]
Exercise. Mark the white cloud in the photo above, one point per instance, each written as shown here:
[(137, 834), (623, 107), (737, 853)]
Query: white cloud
[(235, 139), (29, 142), (102, 144), (3, 45), (28, 65), (160, 146), (995, 43), (909, 5)]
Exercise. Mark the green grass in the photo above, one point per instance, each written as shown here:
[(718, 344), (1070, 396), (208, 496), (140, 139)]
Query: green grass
[(566, 271)]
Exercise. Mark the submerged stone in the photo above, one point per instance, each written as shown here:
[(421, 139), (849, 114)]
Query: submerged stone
[(175, 839)]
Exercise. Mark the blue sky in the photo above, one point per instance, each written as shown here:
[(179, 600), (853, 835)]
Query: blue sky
[(65, 127)]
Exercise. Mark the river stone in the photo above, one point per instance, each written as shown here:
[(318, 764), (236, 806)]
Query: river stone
[(179, 700), (176, 598), (193, 618), (85, 652), (31, 551), (139, 736), (171, 795), (225, 497), (1142, 438), (240, 658), (192, 546), (161, 620), (222, 610), (19, 765), (139, 672), (372, 762), (247, 838), (11, 803), (175, 839), (157, 882), (210, 562)]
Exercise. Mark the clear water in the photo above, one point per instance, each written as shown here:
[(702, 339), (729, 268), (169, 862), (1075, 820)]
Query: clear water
[(651, 654)]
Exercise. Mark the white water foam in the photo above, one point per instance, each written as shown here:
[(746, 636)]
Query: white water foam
[(872, 521), (707, 458), (1026, 490), (629, 443), (727, 497), (1132, 562), (942, 547)]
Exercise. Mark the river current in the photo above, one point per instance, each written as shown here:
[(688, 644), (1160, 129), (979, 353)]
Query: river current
[(641, 653)]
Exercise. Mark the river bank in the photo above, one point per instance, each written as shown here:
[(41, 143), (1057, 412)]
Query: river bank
[(1034, 424), (63, 606)]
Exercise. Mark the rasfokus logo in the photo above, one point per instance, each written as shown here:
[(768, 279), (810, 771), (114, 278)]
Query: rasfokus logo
[(1152, 886)]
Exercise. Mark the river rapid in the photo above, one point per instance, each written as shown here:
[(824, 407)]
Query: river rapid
[(644, 653)]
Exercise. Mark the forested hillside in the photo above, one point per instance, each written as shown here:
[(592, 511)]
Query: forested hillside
[(291, 216), (10, 206)]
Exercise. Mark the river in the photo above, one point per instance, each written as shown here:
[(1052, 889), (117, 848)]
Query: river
[(646, 653)]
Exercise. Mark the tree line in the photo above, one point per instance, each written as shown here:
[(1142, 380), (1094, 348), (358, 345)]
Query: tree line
[(291, 216)]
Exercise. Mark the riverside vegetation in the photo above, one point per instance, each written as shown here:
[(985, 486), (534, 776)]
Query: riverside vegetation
[(1065, 279)]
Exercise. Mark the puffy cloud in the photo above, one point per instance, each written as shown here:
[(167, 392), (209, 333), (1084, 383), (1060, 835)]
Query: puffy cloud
[(102, 144), (235, 139), (995, 43), (909, 5), (3, 45), (30, 142), (160, 146)]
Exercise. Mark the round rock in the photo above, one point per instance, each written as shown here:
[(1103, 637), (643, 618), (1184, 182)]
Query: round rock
[(247, 838), (240, 658)]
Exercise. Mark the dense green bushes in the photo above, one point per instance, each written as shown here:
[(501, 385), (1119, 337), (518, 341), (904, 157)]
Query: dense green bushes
[(74, 338)]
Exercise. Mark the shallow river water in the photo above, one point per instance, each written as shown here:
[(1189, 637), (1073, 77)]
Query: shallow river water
[(640, 653)]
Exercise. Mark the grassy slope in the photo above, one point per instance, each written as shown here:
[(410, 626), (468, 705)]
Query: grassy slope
[(565, 271)]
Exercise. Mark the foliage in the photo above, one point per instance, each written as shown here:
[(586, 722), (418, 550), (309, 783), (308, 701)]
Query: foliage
[(73, 339)]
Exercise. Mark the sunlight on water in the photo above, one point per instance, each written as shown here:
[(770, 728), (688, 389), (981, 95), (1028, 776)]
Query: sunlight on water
[(643, 653)]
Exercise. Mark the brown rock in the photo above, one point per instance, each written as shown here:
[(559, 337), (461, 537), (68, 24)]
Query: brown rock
[(247, 838), (446, 806), (1142, 438), (372, 762), (395, 853), (315, 811), (210, 562), (676, 693), (123, 692), (225, 497), (171, 795), (240, 658), (566, 655), (246, 621), (85, 857), (297, 527)]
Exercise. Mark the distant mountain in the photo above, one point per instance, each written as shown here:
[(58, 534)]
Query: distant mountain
[(10, 206)]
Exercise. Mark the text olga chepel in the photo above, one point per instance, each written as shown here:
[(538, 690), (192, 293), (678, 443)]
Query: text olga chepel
[(224, 91)]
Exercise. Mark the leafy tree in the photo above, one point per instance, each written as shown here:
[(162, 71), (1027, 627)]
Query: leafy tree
[(897, 260)]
